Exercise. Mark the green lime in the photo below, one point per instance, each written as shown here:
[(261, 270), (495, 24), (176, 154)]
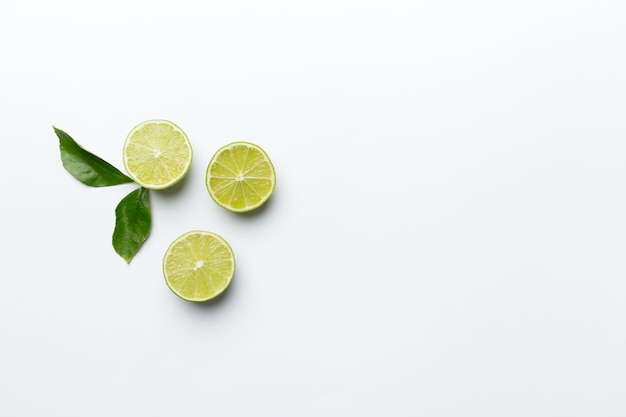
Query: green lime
[(198, 266), (240, 177), (157, 154)]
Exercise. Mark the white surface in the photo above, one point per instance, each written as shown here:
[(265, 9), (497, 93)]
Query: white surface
[(447, 235)]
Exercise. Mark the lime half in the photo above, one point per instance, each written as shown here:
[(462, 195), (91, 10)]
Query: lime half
[(240, 177), (157, 154), (198, 266)]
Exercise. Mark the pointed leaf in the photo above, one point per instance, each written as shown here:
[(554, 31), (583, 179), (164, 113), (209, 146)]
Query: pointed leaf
[(132, 223), (87, 167)]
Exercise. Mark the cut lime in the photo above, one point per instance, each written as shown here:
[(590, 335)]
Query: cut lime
[(240, 177), (157, 154), (198, 266)]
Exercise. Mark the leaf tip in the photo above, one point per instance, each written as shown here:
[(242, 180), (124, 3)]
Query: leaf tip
[(60, 134)]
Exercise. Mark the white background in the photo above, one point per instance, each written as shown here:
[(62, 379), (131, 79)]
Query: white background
[(447, 236)]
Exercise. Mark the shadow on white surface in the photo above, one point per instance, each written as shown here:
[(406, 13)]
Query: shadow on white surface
[(177, 189)]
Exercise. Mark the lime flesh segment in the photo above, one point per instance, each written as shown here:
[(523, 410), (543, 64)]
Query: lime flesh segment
[(157, 154), (240, 177), (198, 266)]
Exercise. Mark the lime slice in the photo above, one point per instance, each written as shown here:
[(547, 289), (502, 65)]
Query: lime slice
[(157, 154), (240, 177), (198, 266)]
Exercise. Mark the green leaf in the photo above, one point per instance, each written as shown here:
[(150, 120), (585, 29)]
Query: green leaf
[(87, 167), (132, 223)]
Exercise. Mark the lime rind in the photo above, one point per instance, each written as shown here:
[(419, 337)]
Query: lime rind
[(135, 164), (182, 239), (229, 180)]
